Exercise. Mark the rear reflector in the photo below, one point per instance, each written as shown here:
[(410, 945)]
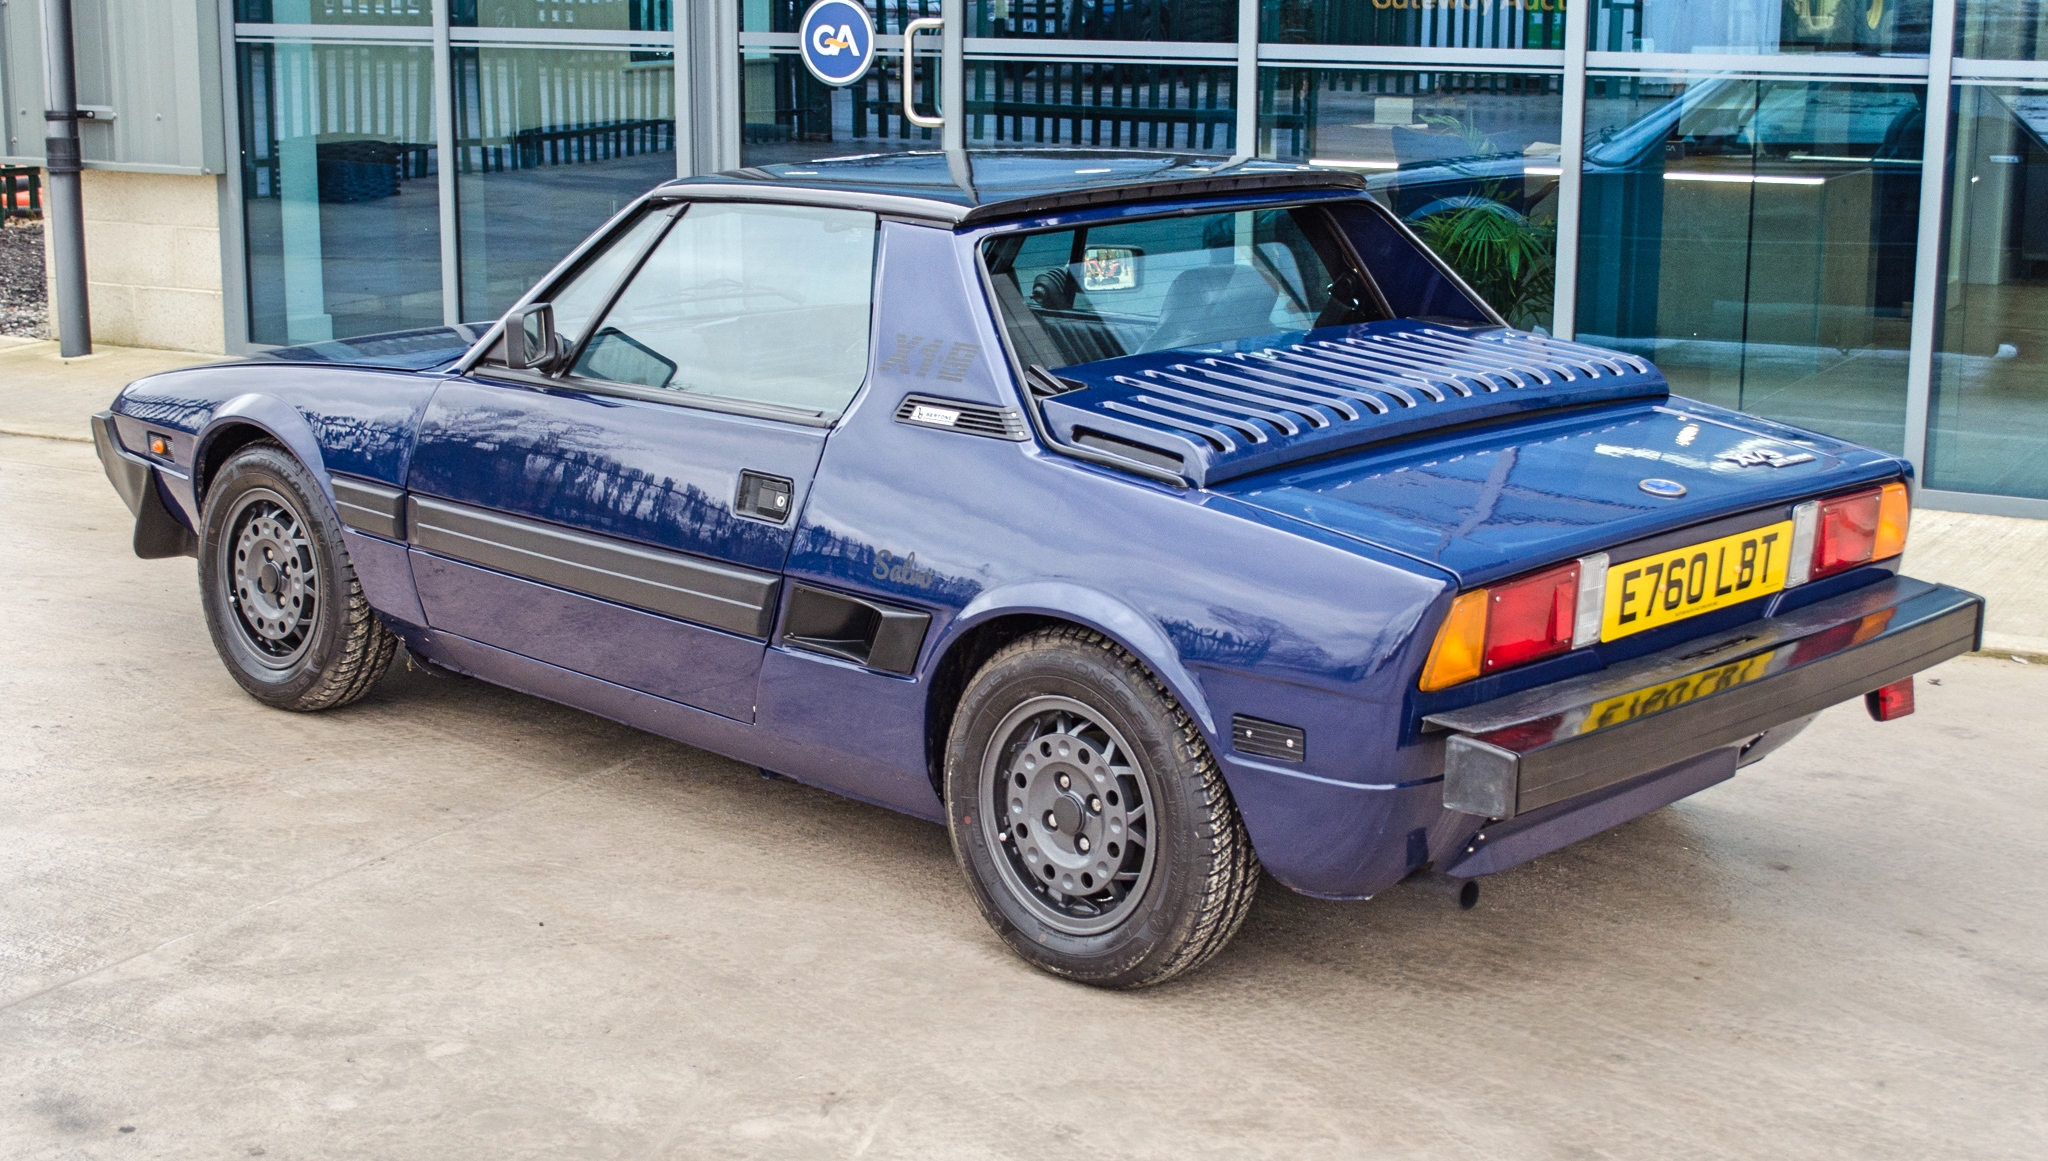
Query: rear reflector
[(1892, 702)]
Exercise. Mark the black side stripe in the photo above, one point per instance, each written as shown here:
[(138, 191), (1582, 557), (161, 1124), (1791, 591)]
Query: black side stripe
[(372, 508), (723, 596)]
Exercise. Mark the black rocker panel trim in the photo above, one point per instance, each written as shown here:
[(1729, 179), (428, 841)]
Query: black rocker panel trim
[(690, 588), (373, 508), (861, 631)]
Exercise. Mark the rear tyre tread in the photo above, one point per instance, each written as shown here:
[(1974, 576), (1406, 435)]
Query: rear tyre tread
[(1232, 879)]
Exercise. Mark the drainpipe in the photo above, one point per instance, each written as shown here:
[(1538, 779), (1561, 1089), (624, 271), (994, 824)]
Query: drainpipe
[(65, 203)]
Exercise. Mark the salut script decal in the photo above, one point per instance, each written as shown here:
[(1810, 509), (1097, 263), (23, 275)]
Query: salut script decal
[(902, 570), (917, 355)]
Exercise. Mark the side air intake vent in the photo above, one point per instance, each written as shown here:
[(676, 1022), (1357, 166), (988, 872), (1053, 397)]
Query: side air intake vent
[(966, 418)]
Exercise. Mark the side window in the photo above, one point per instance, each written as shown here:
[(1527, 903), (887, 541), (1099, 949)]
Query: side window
[(578, 300), (766, 304), (1414, 287), (1105, 291)]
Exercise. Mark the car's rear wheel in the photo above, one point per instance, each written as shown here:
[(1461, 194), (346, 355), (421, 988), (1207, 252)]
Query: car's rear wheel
[(282, 601), (1091, 819)]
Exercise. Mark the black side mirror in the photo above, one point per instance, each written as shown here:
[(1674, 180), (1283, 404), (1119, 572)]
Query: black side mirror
[(530, 341)]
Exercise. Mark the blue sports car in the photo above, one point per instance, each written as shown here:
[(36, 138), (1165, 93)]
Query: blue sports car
[(1148, 520)]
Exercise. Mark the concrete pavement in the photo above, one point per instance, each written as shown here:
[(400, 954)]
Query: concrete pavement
[(453, 921)]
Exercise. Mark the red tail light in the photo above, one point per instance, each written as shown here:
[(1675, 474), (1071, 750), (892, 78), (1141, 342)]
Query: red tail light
[(1847, 532), (1530, 619), (1510, 624)]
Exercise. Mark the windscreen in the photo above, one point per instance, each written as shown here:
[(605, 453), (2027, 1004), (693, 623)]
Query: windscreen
[(1124, 288)]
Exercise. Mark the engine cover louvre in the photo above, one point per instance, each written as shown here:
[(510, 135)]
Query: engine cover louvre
[(1237, 408)]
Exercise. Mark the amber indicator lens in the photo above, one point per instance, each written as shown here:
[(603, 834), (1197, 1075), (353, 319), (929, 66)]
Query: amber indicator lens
[(1894, 510), (1460, 643), (159, 445)]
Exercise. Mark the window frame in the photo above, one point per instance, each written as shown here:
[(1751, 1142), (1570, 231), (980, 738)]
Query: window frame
[(1022, 373), (1322, 205), (675, 206)]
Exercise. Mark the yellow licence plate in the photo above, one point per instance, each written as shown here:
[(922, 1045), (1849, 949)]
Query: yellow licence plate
[(1653, 591), (1616, 710)]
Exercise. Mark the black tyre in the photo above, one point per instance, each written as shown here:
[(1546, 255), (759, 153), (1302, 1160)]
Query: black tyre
[(1090, 817), (282, 601)]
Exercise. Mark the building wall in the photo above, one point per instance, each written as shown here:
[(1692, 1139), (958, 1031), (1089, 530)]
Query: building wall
[(153, 261)]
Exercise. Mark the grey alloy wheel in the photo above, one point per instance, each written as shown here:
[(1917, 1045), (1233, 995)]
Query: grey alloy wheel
[(1065, 800)]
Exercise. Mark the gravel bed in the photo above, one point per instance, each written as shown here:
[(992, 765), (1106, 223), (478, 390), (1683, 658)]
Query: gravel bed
[(24, 296)]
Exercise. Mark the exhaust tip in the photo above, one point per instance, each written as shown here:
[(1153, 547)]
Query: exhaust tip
[(1468, 895)]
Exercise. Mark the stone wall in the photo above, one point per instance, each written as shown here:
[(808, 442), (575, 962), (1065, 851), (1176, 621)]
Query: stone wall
[(152, 259)]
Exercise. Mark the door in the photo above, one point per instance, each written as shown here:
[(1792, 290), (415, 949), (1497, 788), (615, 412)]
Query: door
[(627, 516)]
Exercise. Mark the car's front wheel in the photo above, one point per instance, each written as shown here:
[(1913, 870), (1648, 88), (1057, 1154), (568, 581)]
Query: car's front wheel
[(282, 601), (1090, 817)]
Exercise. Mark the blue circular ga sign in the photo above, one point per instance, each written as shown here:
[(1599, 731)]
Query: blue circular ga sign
[(838, 38)]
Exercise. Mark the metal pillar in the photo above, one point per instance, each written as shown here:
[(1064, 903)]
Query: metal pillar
[(707, 58), (1247, 84), (952, 86), (1571, 157), (64, 200), (447, 152), (1928, 272)]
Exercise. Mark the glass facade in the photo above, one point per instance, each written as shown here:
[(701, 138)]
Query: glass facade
[(1747, 203), (339, 174), (564, 15), (1988, 431), (789, 116), (2002, 29), (1470, 160), (1415, 23), (1736, 27), (1757, 238), (550, 142), (343, 12)]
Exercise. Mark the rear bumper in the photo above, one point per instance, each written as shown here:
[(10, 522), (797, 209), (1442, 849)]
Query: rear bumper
[(1576, 738)]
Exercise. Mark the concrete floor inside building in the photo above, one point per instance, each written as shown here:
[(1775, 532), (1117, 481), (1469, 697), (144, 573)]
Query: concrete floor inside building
[(454, 921)]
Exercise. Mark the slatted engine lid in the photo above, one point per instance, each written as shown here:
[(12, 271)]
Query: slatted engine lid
[(1217, 413)]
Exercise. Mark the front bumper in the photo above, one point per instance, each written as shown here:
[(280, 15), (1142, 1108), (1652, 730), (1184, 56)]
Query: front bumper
[(1558, 742), (158, 533)]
